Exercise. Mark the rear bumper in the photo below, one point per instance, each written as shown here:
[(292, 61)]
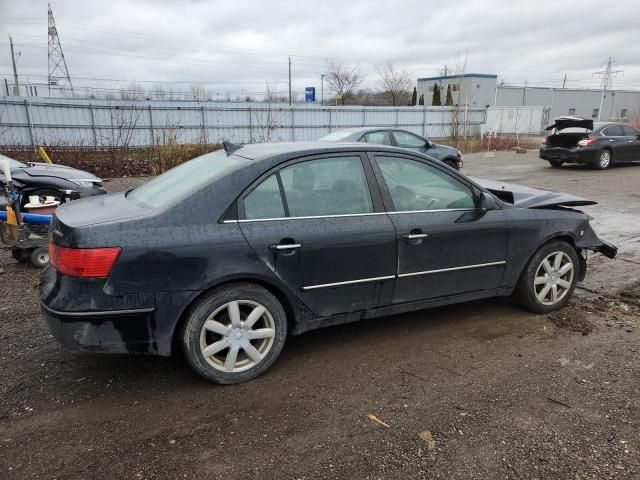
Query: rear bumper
[(568, 155), (117, 331)]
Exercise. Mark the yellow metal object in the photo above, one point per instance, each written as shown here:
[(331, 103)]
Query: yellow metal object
[(11, 216), (44, 155)]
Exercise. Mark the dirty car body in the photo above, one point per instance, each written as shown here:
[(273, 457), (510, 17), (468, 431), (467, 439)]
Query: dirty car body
[(335, 232)]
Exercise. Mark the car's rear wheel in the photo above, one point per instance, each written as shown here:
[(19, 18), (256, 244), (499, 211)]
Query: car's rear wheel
[(234, 333), (555, 163), (603, 160), (549, 279)]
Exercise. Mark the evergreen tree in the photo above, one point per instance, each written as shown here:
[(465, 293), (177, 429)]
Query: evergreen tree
[(414, 96), (449, 101), (436, 96), (421, 101)]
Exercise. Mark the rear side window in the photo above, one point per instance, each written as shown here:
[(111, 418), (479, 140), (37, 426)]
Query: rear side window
[(415, 186), (327, 186), (378, 138), (264, 201), (176, 183), (613, 131)]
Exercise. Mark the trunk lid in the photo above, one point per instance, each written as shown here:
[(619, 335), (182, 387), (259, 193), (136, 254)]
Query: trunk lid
[(561, 123), (72, 219), (527, 197)]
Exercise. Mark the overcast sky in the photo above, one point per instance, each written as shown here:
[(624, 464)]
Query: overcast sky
[(233, 46)]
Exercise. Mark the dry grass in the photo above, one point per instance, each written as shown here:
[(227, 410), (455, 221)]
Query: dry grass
[(116, 162), (497, 143)]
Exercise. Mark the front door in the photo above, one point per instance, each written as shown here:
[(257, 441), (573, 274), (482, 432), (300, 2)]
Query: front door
[(446, 246), (316, 224)]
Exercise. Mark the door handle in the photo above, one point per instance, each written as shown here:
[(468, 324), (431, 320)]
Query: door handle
[(414, 236), (612, 140), (285, 246)]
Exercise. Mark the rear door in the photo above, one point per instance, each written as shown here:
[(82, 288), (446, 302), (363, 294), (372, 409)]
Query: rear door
[(446, 246), (319, 224)]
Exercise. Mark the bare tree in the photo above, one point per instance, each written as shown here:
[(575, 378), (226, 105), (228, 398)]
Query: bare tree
[(132, 91), (396, 84), (267, 118), (343, 78)]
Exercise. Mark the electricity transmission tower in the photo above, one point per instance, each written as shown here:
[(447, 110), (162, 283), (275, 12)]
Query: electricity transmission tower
[(607, 80), (58, 71)]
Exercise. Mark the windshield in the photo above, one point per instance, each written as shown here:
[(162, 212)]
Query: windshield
[(177, 182), (336, 136), (13, 164)]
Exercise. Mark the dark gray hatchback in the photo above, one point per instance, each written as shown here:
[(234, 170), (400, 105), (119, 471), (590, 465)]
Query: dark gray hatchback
[(229, 253)]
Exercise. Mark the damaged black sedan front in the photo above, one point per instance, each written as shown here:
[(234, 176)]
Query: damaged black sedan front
[(226, 255)]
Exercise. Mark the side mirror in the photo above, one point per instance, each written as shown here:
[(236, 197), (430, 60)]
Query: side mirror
[(428, 143), (487, 202)]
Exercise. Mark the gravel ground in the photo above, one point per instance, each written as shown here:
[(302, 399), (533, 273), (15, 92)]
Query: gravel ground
[(475, 391)]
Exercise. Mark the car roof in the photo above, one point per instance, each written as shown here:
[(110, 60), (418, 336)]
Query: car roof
[(284, 150)]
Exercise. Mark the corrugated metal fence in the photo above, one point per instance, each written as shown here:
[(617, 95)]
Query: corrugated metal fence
[(31, 121)]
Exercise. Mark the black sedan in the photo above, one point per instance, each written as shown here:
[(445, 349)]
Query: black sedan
[(229, 253), (46, 180), (599, 145), (396, 137)]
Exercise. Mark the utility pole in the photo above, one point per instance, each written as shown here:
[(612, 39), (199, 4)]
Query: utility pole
[(16, 88), (290, 81), (322, 89), (58, 71), (607, 73), (564, 81)]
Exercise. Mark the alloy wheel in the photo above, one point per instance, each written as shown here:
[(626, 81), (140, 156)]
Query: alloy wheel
[(553, 278), (605, 159), (237, 336)]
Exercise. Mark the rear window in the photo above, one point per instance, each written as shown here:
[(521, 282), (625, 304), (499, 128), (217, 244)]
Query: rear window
[(177, 182), (336, 136)]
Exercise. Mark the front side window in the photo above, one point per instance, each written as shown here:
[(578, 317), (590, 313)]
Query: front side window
[(264, 201), (629, 131), (415, 186), (379, 138), (408, 140), (327, 186)]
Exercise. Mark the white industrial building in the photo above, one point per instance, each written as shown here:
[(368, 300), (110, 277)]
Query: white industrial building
[(482, 90)]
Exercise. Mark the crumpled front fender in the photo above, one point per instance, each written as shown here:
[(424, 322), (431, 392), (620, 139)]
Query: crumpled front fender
[(590, 241)]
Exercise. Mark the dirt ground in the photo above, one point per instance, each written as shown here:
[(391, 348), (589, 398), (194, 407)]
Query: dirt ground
[(474, 391)]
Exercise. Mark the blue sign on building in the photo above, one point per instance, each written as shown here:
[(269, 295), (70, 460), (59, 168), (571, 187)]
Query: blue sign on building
[(310, 94)]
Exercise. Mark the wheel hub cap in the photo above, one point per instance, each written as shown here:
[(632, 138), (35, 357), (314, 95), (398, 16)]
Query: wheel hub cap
[(237, 336)]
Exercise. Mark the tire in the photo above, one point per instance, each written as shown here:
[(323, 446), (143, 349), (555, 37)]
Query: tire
[(538, 277), (216, 309), (451, 163), (21, 255), (555, 163), (40, 257), (603, 160)]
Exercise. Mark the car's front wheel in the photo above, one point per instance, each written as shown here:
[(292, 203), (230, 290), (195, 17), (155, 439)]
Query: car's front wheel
[(451, 163), (603, 160), (549, 279), (234, 333)]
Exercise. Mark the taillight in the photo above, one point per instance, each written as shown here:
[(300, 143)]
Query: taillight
[(544, 141), (587, 142), (84, 262)]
